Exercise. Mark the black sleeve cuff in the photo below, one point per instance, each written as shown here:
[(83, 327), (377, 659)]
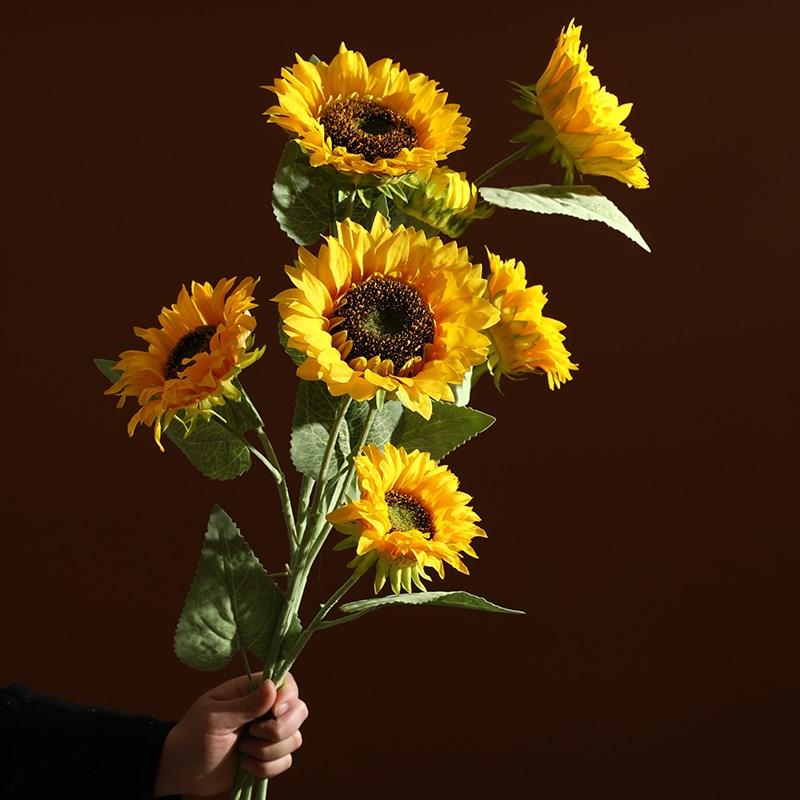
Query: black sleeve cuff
[(52, 750)]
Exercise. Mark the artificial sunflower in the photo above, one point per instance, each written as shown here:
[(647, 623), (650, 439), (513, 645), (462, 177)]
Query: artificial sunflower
[(410, 516), (524, 340), (581, 122), (204, 341), (445, 200), (387, 310), (366, 119)]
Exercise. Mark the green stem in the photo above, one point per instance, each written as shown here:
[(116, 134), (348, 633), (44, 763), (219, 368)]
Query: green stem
[(344, 404), (253, 450), (500, 165), (303, 502), (317, 623), (313, 539), (250, 680), (283, 489), (263, 459), (373, 412), (322, 528), (243, 786), (332, 623), (236, 790), (275, 666)]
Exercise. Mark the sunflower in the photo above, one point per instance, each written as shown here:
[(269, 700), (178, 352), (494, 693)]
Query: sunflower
[(581, 122), (410, 516), (524, 340), (387, 310), (445, 200), (366, 119), (202, 344)]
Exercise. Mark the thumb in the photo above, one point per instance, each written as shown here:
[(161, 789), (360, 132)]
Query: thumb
[(233, 704)]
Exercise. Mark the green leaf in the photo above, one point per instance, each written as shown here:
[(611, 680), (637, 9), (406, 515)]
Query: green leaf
[(301, 196), (106, 366), (380, 205), (448, 428), (232, 604), (449, 599), (314, 414), (383, 424), (241, 415), (582, 202), (306, 198), (215, 451)]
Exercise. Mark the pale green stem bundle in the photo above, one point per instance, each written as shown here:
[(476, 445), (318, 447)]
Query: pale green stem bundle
[(308, 528), (307, 534)]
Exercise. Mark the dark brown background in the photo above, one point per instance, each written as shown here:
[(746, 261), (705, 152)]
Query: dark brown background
[(641, 515)]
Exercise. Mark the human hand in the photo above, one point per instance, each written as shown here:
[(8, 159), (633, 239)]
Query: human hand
[(199, 756)]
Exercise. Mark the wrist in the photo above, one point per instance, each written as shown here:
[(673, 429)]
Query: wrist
[(167, 780)]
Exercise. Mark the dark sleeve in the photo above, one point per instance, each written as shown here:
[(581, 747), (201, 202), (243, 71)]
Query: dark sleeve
[(52, 750)]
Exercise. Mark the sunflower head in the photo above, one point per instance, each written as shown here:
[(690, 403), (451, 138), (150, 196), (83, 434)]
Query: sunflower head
[(366, 119), (444, 200), (202, 343), (581, 122), (387, 310), (410, 516), (524, 340)]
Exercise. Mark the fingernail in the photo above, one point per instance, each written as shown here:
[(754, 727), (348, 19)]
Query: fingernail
[(279, 709)]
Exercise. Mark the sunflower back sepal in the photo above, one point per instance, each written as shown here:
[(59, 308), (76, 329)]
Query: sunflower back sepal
[(449, 427), (526, 97), (398, 217), (464, 600), (232, 605), (106, 367), (582, 202)]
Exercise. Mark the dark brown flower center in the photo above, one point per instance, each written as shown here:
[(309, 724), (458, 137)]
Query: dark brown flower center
[(194, 342), (368, 128), (406, 513), (387, 318)]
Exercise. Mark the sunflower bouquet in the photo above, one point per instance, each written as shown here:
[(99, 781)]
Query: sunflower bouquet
[(390, 324)]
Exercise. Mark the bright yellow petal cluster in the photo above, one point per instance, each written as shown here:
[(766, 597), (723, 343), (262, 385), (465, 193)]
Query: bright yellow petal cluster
[(445, 200), (524, 340), (307, 90), (202, 344), (445, 289), (581, 120), (410, 516)]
